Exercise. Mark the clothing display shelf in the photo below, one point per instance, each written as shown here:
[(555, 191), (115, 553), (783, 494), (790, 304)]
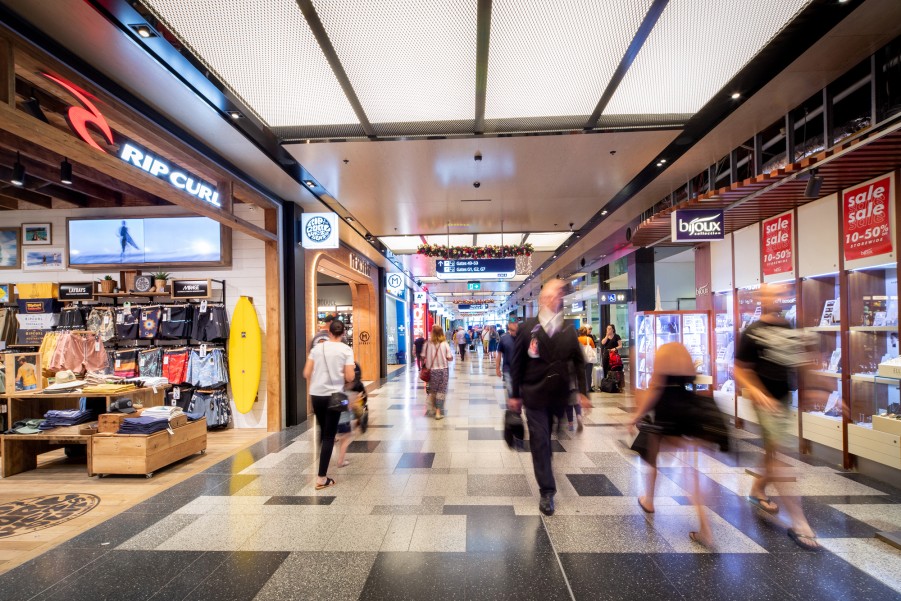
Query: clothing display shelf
[(656, 328)]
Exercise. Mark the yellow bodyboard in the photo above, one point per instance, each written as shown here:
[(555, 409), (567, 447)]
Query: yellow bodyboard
[(245, 355)]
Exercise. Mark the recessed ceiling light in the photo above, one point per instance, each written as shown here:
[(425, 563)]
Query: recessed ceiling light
[(65, 172), (349, 219), (234, 115), (604, 212), (309, 183), (660, 164), (144, 30), (662, 160), (18, 178), (736, 96)]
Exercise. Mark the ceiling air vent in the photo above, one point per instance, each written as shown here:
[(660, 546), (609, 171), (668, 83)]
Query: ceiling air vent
[(475, 200)]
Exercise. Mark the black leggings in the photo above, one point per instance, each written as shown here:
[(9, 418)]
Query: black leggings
[(328, 428)]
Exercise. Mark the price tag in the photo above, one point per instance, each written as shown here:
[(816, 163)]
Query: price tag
[(176, 393), (203, 306), (167, 314), (166, 362), (97, 346), (118, 363), (202, 351), (106, 319), (120, 318), (170, 430)]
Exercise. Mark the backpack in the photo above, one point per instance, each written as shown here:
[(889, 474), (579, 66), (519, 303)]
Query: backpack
[(591, 355), (610, 383), (467, 338), (616, 362)]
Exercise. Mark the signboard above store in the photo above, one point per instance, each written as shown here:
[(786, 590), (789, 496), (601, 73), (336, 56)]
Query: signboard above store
[(692, 225), (319, 230), (420, 298), (485, 269), (472, 308), (615, 297), (394, 282)]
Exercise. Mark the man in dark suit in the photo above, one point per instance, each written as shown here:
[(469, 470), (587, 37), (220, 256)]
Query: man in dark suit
[(548, 367)]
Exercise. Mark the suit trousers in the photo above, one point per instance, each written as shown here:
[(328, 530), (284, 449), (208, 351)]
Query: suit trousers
[(540, 423)]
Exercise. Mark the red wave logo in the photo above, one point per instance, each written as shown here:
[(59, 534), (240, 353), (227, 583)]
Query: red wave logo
[(80, 116)]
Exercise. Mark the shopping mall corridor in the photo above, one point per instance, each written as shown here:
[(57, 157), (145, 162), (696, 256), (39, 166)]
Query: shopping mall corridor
[(444, 510)]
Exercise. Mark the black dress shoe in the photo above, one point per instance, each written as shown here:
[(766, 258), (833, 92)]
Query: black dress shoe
[(546, 505)]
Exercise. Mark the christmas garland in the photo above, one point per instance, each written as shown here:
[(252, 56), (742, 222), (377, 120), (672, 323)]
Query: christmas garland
[(475, 252)]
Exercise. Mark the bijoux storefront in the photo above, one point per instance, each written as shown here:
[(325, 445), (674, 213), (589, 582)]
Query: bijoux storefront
[(96, 190)]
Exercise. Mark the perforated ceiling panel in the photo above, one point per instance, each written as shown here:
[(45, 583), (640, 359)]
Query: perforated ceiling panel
[(696, 47), (407, 61), (556, 58), (265, 53)]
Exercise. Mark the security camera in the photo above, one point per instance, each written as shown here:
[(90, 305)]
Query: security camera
[(478, 156), (476, 184), (612, 152)]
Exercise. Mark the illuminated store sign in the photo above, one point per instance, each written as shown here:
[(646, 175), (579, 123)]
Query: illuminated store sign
[(485, 269), (319, 230), (697, 226), (164, 170)]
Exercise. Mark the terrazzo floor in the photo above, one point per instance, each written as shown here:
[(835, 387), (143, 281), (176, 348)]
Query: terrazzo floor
[(444, 510)]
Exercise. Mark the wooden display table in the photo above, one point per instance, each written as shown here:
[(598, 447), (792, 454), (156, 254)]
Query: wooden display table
[(20, 451), (146, 453)]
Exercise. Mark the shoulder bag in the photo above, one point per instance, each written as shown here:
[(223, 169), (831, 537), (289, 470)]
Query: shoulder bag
[(425, 374), (338, 401)]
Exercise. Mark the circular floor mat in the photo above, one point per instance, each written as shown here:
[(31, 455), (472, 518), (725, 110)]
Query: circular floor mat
[(37, 513)]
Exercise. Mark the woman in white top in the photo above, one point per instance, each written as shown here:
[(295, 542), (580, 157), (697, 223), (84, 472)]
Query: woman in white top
[(436, 355), (329, 367)]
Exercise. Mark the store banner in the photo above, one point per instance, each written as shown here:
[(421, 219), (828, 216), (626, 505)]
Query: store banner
[(400, 309), (420, 321), (778, 245), (693, 225), (866, 219), (319, 230)]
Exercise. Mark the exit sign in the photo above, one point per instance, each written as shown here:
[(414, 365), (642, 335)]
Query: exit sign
[(474, 285)]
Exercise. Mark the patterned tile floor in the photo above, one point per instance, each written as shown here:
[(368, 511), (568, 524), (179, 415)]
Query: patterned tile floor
[(443, 510)]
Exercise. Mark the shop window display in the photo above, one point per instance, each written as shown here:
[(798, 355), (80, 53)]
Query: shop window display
[(654, 329), (724, 349)]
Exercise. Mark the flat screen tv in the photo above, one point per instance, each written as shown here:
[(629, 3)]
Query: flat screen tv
[(146, 241)]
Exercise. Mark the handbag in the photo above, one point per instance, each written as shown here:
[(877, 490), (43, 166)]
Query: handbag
[(425, 374), (591, 356), (647, 443), (337, 401), (616, 362)]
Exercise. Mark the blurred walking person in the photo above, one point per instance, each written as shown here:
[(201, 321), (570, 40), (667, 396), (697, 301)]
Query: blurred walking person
[(504, 363), (769, 353), (574, 408), (548, 367), (492, 342), (460, 340), (436, 356), (671, 403)]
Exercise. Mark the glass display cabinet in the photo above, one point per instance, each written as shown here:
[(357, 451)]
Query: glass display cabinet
[(656, 328), (873, 342), (724, 351), (822, 415)]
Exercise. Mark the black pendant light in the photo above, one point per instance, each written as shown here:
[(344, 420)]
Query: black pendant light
[(18, 178), (65, 172)]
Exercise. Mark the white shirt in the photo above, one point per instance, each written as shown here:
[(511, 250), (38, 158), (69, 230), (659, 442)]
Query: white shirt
[(460, 337), (329, 359), (551, 322), (436, 355)]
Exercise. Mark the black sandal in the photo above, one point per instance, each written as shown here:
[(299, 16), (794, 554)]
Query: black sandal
[(328, 482), (808, 543)]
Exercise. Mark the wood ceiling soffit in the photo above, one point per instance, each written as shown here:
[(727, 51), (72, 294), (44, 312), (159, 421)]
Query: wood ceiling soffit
[(762, 196), (22, 125), (31, 63)]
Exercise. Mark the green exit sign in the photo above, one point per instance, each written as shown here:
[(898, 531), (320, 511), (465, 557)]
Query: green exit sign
[(473, 285)]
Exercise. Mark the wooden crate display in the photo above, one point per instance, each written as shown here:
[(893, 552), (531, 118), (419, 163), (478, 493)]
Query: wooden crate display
[(144, 454)]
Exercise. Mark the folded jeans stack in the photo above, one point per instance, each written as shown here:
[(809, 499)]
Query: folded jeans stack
[(67, 417), (143, 425)]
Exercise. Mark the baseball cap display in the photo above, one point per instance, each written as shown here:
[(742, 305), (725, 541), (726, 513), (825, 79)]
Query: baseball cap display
[(121, 406)]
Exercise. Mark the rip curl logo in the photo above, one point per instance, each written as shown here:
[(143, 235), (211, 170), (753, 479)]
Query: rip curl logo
[(79, 117)]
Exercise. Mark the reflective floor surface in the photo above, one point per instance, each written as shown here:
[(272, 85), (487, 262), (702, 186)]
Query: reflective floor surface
[(443, 510)]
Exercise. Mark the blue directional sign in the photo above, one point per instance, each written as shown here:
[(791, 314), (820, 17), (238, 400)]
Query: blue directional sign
[(467, 269), (615, 297)]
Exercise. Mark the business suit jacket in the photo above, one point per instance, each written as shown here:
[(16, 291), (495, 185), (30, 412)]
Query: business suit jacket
[(536, 380)]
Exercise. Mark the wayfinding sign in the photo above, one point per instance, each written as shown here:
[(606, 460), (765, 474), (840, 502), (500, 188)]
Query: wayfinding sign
[(467, 269)]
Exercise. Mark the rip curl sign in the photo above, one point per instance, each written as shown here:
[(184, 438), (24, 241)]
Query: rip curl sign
[(694, 225)]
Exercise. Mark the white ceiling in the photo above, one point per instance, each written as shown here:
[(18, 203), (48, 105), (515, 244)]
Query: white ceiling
[(415, 62), (534, 183)]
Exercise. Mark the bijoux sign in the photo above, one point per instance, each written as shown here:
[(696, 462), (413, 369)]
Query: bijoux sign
[(319, 230), (77, 291), (79, 117), (693, 225)]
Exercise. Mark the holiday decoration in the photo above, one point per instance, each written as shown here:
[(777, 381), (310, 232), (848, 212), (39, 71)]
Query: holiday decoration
[(475, 252)]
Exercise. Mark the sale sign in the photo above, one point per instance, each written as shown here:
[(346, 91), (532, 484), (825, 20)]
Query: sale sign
[(866, 219), (778, 245)]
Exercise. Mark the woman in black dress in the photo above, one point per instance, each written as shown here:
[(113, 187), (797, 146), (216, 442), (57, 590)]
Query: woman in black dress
[(669, 399), (609, 342)]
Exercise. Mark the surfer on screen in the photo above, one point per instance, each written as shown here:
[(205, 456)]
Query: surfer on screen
[(125, 238)]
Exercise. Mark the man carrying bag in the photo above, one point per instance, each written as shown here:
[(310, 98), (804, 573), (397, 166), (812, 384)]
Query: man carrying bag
[(548, 366)]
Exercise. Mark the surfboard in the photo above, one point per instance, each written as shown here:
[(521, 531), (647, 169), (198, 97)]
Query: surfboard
[(245, 355)]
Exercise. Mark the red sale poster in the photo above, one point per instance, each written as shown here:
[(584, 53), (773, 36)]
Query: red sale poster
[(866, 219), (778, 245)]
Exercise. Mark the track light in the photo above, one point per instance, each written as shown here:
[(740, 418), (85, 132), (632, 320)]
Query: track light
[(144, 30), (65, 172), (18, 178), (813, 185)]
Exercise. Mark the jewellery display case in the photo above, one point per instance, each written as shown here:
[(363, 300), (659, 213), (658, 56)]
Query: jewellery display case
[(875, 393), (820, 311), (724, 351), (656, 328)]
